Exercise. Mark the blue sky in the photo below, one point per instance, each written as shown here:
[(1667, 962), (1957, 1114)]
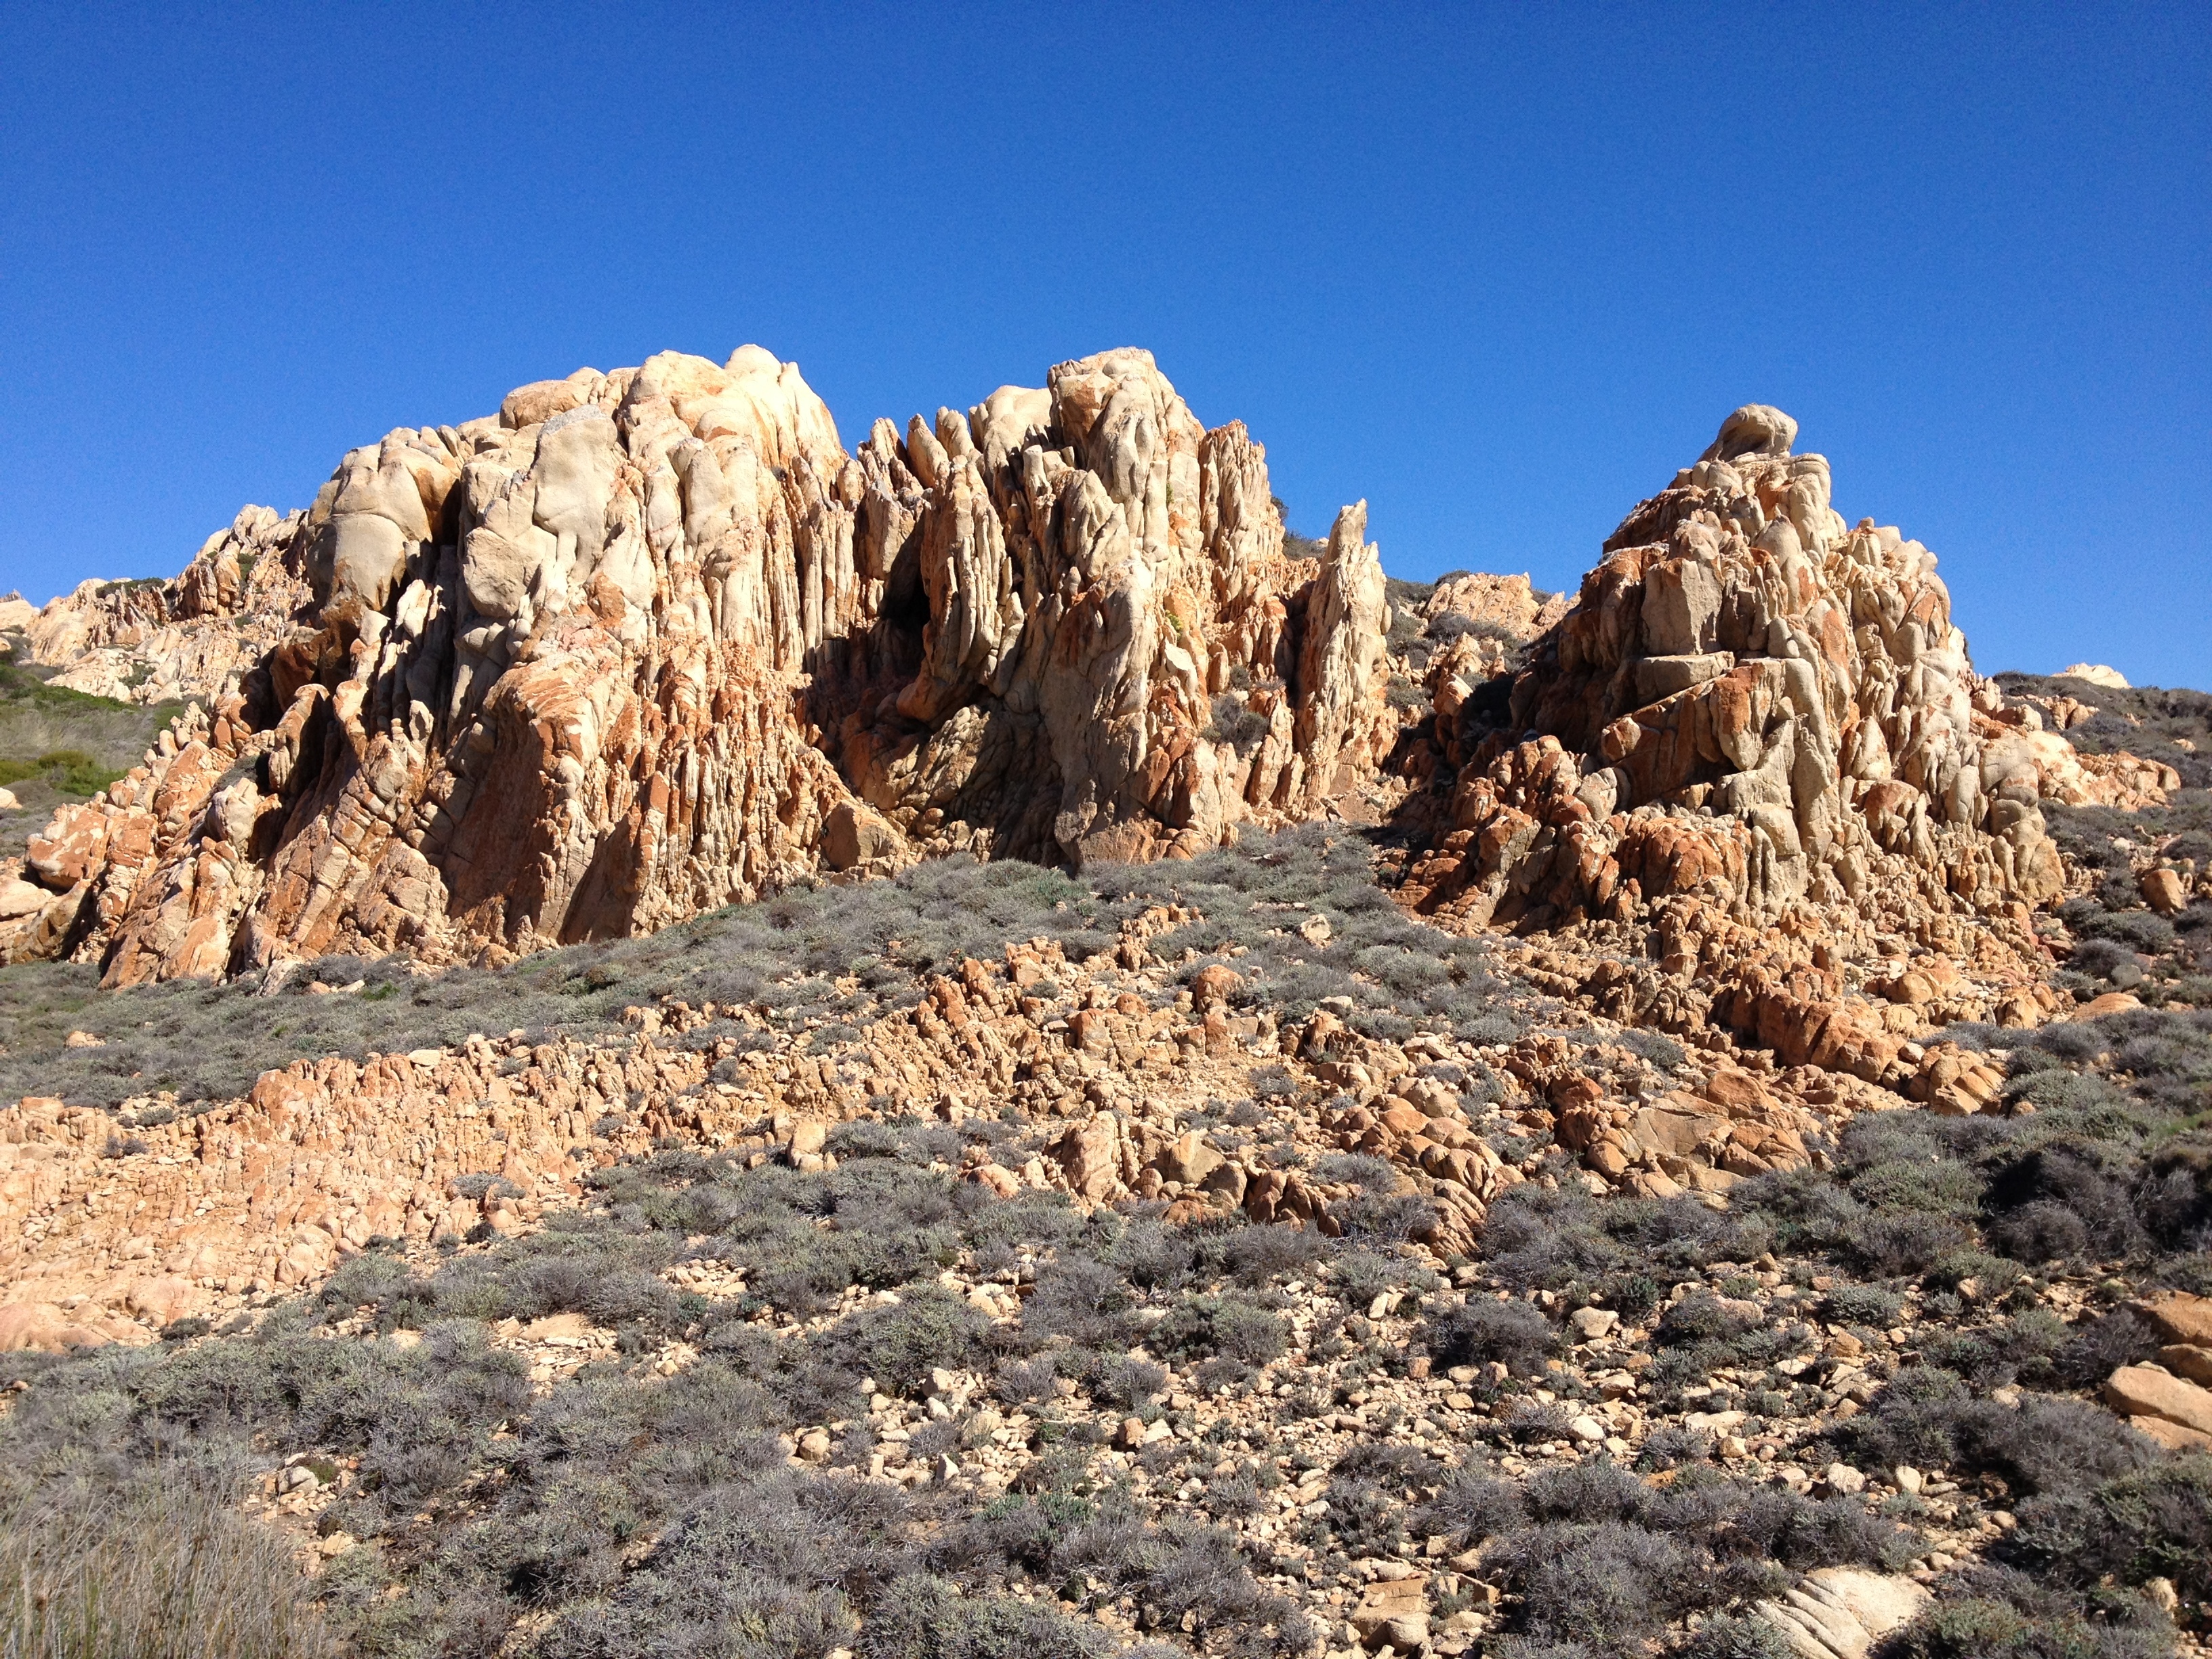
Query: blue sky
[(1498, 272)]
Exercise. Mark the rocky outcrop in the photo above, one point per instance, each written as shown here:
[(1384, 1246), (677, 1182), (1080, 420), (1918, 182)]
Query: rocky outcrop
[(649, 642), (2094, 673), (1496, 611), (2066, 774), (191, 636), (1752, 702), (1480, 626)]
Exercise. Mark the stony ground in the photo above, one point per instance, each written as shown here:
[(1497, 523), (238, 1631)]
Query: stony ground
[(1202, 1258)]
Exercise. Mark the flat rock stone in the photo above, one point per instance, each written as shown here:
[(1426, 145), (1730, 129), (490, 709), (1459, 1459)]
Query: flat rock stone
[(2137, 1391), (1840, 1612), (2179, 1317)]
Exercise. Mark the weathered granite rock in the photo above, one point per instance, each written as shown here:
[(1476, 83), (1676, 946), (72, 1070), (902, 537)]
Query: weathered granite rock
[(2179, 1317), (649, 642), (1840, 1612), (2163, 891), (1393, 1613), (1751, 702), (2096, 673), (2140, 1391), (43, 1328), (2064, 774)]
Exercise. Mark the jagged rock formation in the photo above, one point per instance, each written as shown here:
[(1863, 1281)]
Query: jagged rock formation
[(649, 642), (163, 641), (1751, 702), (1480, 623), (1494, 607)]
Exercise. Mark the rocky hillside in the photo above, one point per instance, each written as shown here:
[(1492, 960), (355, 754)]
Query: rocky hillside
[(1695, 1145), (1201, 1257)]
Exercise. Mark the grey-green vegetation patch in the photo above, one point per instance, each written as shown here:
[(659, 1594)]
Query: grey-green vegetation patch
[(161, 1564), (823, 960), (36, 718), (1953, 1233), (625, 1513), (629, 1513), (59, 745), (205, 1040), (1397, 974)]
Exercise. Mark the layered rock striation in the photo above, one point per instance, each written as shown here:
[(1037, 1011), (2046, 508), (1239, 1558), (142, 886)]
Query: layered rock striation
[(649, 642), (1751, 702)]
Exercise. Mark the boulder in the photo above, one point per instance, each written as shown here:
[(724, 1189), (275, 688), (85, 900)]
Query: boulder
[(2178, 1317), (1393, 1613), (2141, 1391), (20, 898), (1841, 1612), (1593, 1324), (1215, 985), (1096, 1157), (1188, 1159), (2096, 673), (2171, 1435), (853, 835), (2185, 1359), (2109, 1002), (163, 1300), (2162, 889), (43, 1327)]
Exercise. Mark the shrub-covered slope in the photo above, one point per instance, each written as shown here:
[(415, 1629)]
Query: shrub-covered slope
[(914, 1375)]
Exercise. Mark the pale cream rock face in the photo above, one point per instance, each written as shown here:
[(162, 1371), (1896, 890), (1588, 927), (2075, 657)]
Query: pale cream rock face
[(2096, 673)]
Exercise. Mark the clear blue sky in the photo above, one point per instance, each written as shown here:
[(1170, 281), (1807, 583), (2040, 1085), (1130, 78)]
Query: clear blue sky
[(1498, 272)]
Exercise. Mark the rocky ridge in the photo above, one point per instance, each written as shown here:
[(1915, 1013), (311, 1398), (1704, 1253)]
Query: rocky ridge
[(649, 642)]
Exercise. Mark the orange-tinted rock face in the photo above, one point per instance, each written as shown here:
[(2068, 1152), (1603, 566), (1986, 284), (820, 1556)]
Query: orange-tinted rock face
[(1751, 702), (626, 651)]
